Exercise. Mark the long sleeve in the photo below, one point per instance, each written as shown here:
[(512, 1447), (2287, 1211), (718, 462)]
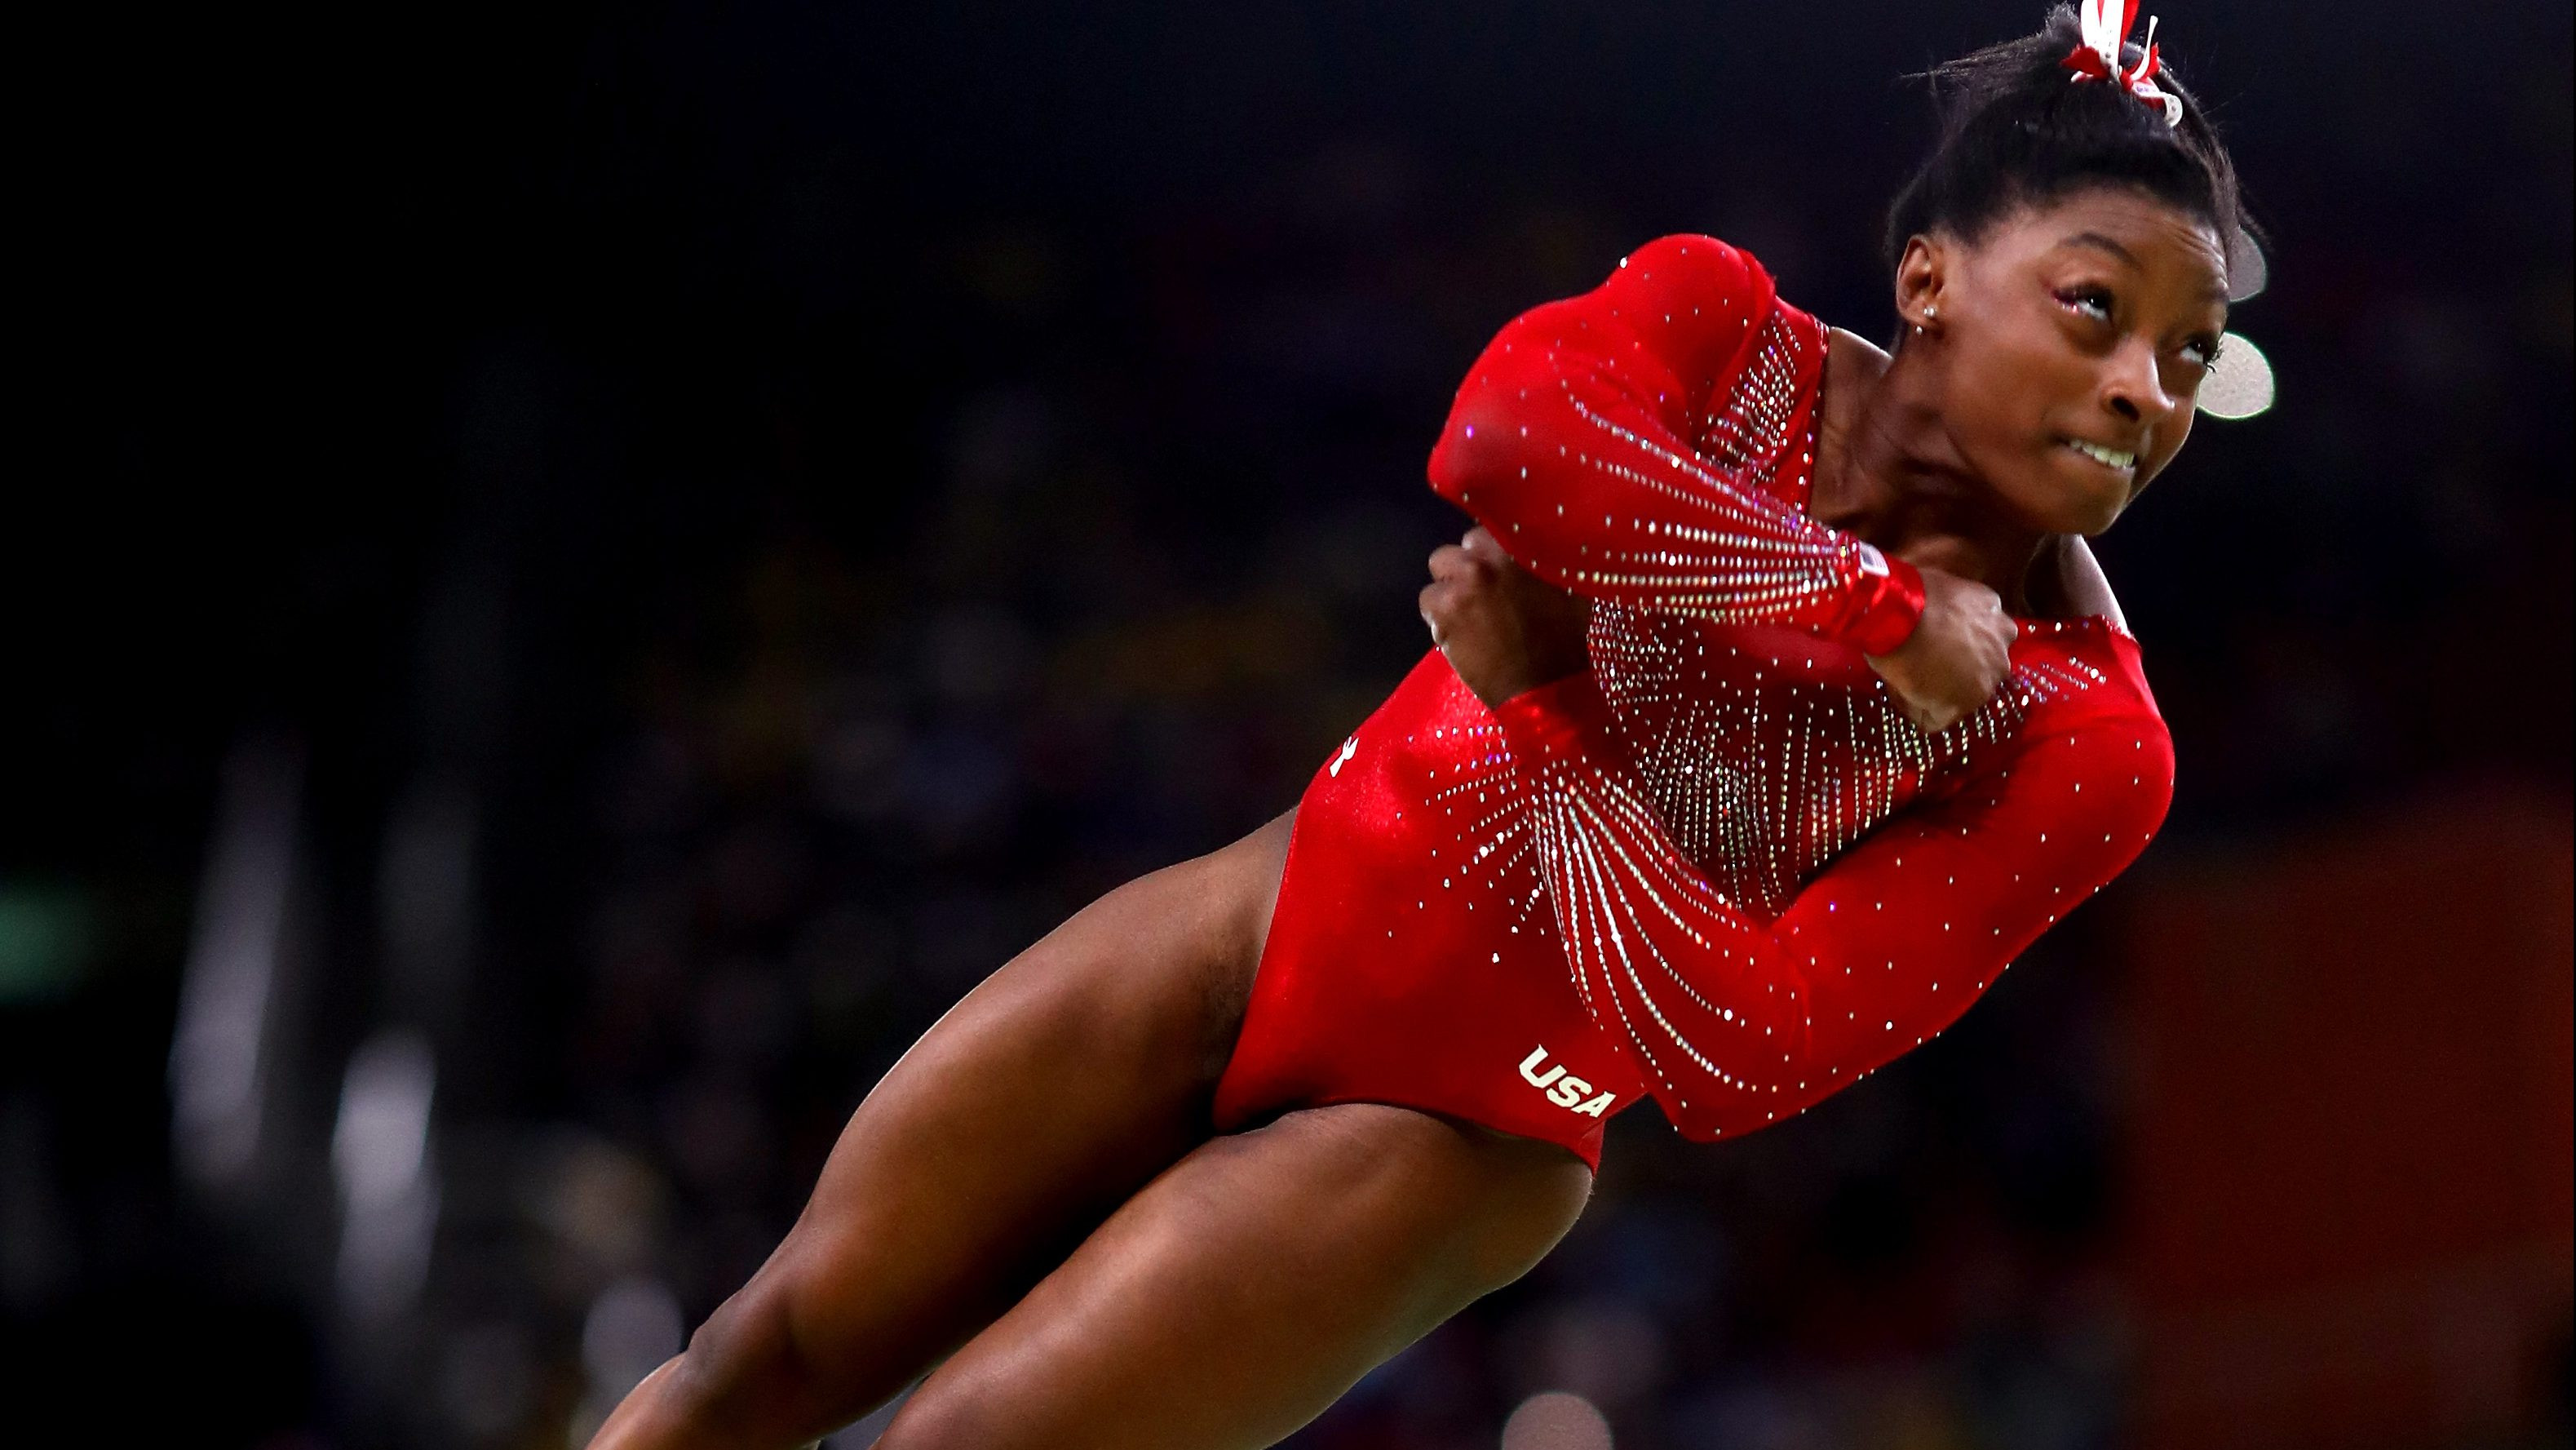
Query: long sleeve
[(1735, 1022), (1578, 437)]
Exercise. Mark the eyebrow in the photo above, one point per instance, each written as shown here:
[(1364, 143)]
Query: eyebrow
[(2217, 294), (2096, 239)]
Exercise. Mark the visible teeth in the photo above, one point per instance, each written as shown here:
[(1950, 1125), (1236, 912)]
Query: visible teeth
[(2109, 457)]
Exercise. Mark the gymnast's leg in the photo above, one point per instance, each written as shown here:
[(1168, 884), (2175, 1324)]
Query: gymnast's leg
[(1245, 1289), (1057, 1088)]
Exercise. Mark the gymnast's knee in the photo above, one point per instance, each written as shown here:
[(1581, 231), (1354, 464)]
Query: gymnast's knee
[(940, 1416), (730, 1360), (744, 1371)]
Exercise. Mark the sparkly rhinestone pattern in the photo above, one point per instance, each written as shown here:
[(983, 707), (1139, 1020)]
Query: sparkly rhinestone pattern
[(1686, 891), (1719, 867), (1723, 810), (1627, 445)]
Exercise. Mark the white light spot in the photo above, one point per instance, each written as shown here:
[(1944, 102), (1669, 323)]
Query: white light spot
[(1556, 1421), (2240, 383)]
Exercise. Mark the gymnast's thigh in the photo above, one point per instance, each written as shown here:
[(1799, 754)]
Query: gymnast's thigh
[(1055, 1089), (1240, 1293)]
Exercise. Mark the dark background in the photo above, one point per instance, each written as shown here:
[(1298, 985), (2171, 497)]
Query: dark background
[(593, 569)]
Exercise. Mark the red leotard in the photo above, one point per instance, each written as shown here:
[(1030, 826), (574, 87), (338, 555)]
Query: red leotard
[(1720, 867)]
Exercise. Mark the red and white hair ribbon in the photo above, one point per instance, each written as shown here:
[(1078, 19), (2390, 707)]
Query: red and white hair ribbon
[(2106, 25)]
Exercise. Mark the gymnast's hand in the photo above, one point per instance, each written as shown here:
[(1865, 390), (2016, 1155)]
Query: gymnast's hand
[(1955, 658), (1503, 629)]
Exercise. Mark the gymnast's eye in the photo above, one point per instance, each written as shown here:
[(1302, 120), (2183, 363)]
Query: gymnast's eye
[(2208, 348), (2093, 302)]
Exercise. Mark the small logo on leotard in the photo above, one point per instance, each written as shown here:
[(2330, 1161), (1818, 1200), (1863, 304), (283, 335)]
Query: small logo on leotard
[(1563, 1088), (1350, 748)]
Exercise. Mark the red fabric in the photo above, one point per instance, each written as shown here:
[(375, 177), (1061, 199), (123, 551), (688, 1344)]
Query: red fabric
[(1629, 445), (1890, 619), (1768, 881), (1402, 969), (1741, 1020)]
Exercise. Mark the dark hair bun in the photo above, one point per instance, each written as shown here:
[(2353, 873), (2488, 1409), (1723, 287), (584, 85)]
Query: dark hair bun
[(2018, 129)]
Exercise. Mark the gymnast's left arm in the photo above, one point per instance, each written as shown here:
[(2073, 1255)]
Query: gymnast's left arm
[(1571, 440), (1736, 1023)]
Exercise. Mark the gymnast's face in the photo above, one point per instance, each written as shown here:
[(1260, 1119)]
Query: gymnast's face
[(2070, 342)]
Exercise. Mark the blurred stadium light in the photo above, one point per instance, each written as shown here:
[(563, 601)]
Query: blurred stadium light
[(380, 1153), (218, 1051), (1556, 1421), (2239, 384)]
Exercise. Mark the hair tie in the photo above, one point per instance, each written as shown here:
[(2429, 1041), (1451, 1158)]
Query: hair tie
[(2098, 56)]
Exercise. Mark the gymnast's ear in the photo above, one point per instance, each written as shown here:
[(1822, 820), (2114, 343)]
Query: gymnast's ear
[(1922, 270)]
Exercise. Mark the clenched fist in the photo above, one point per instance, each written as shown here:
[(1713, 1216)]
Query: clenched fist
[(1956, 657), (1503, 630)]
